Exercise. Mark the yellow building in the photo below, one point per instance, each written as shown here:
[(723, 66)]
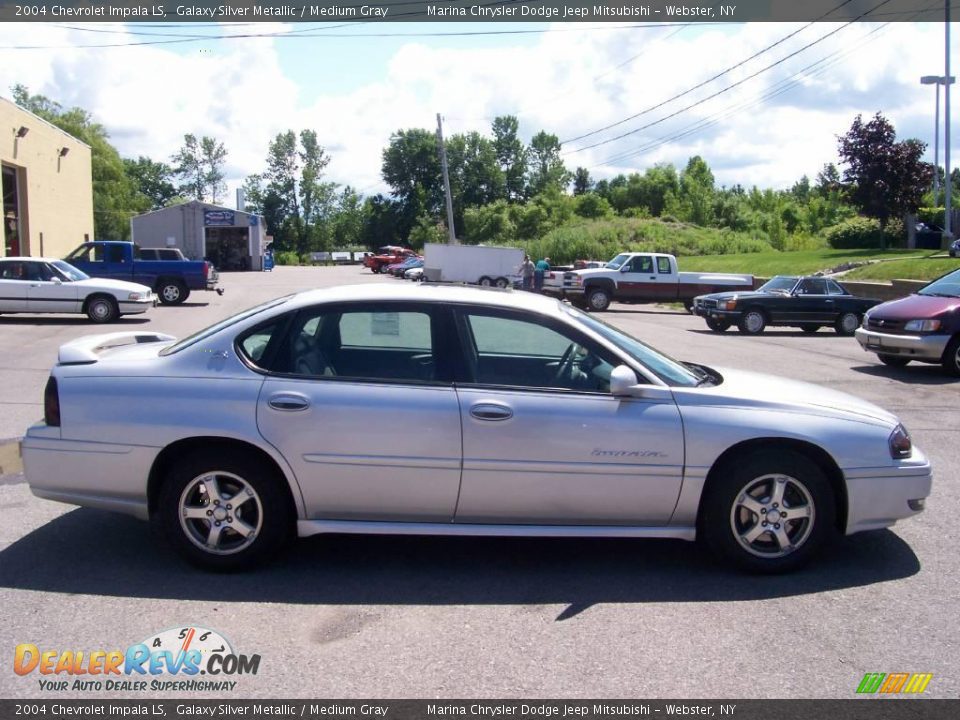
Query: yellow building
[(47, 186)]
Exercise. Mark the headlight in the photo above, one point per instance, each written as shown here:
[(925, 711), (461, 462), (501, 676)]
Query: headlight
[(730, 304), (866, 320), (922, 326), (136, 296), (900, 444)]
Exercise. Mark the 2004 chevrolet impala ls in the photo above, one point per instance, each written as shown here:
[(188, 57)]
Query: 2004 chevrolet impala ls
[(457, 411)]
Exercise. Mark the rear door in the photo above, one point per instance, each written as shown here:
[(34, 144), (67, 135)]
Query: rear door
[(361, 403), (545, 443)]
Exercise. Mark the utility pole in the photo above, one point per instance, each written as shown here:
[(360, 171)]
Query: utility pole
[(446, 179), (947, 230)]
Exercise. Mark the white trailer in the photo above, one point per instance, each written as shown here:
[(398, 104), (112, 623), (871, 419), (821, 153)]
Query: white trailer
[(477, 264)]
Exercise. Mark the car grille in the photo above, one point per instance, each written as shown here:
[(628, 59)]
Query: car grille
[(706, 303), (881, 325)]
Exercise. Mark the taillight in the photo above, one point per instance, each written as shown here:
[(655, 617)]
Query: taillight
[(51, 403), (206, 270)]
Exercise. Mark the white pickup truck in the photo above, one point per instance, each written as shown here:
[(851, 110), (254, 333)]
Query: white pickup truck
[(640, 278)]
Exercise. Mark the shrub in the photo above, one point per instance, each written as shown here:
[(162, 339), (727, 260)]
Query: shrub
[(286, 257), (855, 233)]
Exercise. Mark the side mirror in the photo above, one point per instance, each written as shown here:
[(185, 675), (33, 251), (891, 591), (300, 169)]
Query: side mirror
[(625, 268), (621, 380), (56, 281)]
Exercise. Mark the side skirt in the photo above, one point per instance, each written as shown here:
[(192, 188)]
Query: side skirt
[(306, 528)]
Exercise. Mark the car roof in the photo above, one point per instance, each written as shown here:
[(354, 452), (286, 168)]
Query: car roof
[(31, 259), (430, 293)]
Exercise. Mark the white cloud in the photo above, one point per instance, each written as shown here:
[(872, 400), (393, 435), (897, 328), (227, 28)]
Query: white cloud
[(149, 96)]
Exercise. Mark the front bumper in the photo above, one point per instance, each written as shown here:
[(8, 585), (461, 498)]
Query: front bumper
[(730, 316), (919, 347), (878, 497), (135, 307)]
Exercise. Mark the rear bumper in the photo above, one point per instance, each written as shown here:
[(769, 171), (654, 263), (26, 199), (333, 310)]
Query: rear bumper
[(99, 475), (920, 347), (878, 497)]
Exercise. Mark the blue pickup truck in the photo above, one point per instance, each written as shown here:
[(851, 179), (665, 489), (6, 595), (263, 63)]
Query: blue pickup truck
[(171, 280)]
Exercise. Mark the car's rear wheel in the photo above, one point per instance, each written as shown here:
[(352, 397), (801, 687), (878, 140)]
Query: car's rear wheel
[(752, 322), (769, 512), (172, 292), (893, 360), (224, 512), (810, 328), (951, 357), (847, 323), (102, 309), (718, 325), (598, 299)]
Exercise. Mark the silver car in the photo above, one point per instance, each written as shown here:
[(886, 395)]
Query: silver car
[(455, 411)]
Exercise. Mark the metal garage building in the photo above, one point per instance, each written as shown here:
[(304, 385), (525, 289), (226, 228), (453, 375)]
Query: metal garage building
[(230, 239)]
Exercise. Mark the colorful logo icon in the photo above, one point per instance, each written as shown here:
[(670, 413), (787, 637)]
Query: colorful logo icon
[(894, 683)]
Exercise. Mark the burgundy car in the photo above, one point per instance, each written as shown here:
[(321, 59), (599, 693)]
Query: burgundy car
[(924, 326)]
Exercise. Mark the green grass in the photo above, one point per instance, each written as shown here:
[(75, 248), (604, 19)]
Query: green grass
[(766, 264), (912, 269)]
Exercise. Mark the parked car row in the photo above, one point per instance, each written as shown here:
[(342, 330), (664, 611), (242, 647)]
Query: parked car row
[(386, 256)]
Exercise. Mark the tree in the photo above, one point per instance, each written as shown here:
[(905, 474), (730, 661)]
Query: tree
[(511, 155), (883, 178), (199, 165), (581, 181), (546, 168), (115, 195), (475, 175), (152, 180)]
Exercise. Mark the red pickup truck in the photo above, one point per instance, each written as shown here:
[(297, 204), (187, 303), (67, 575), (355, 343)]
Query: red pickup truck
[(387, 255)]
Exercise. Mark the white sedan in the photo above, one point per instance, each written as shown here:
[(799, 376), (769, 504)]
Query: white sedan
[(44, 285), (444, 410)]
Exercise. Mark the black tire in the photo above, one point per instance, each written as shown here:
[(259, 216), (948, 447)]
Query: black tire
[(846, 324), (267, 509), (172, 292), (951, 357), (502, 282), (598, 299), (893, 360), (811, 329), (579, 302), (718, 326), (752, 322), (102, 309), (688, 305), (485, 282), (725, 519), (374, 269)]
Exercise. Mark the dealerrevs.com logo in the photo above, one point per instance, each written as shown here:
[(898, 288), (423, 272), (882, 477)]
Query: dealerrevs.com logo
[(179, 659)]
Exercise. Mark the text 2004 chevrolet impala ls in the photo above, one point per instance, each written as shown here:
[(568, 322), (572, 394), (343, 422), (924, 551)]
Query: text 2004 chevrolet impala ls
[(457, 411)]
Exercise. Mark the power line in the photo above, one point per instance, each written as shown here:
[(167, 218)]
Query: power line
[(726, 89)]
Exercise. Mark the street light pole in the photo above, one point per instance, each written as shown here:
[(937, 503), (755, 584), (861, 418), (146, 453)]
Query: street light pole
[(938, 81), (947, 230)]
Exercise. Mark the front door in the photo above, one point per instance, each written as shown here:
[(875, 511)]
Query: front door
[(365, 412), (543, 440), (638, 279), (47, 293)]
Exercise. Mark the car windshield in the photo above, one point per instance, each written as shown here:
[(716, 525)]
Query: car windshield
[(780, 284), (68, 271), (617, 261), (664, 367), (947, 286), (217, 327)]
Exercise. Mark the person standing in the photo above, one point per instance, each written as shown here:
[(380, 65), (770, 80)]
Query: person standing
[(541, 269), (527, 270)]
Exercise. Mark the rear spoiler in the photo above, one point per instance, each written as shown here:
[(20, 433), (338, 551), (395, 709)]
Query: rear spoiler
[(88, 348)]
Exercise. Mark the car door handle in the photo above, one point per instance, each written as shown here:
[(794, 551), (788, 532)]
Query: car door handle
[(288, 402), (491, 411)]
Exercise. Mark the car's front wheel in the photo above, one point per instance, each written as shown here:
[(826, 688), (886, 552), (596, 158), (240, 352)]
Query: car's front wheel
[(847, 324), (224, 512), (172, 292), (718, 325), (769, 512), (951, 357), (893, 360), (752, 322), (598, 299), (102, 310)]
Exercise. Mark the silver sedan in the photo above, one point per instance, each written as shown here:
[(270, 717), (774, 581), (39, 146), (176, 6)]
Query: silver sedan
[(457, 411)]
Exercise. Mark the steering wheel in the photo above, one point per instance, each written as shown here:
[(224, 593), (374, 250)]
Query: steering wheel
[(566, 363)]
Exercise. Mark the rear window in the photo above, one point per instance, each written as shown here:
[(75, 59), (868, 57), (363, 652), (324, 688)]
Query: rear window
[(217, 327)]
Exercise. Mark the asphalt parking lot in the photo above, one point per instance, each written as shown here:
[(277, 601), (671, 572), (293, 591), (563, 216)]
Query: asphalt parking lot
[(433, 617)]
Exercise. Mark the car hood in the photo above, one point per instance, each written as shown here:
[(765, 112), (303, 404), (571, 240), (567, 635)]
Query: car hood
[(742, 388), (107, 284), (741, 294), (915, 307)]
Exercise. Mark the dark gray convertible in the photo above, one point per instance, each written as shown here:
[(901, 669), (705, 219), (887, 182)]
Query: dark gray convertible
[(808, 303)]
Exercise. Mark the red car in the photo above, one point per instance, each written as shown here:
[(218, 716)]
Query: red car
[(387, 255)]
